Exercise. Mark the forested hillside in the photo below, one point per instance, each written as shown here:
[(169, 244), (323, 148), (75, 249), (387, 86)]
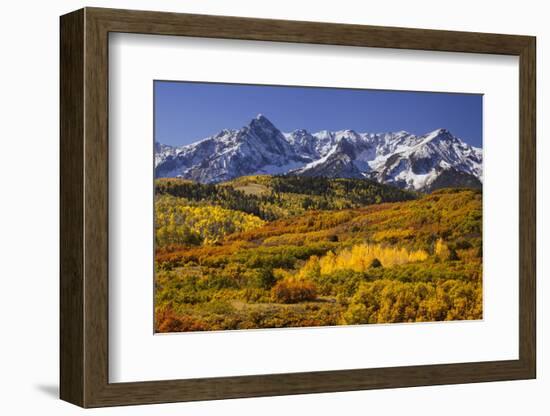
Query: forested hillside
[(263, 252), (274, 197)]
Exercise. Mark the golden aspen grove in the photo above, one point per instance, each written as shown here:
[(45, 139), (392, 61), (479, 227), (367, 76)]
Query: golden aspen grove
[(288, 251)]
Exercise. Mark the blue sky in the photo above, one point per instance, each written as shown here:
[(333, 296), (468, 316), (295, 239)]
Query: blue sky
[(186, 112)]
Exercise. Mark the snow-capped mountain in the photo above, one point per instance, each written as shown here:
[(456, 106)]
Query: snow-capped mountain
[(427, 162), (256, 148)]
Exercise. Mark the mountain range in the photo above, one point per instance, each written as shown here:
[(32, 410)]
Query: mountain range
[(422, 163)]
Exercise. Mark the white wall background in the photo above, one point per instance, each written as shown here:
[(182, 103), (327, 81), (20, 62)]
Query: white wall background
[(29, 84)]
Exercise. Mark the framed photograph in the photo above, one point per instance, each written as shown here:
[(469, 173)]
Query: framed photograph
[(260, 207)]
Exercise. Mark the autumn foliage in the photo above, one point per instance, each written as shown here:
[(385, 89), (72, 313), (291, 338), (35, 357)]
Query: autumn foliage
[(360, 258), (293, 291), (276, 252)]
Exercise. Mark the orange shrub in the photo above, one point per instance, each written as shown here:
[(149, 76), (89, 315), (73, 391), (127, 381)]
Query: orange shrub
[(166, 320), (293, 291)]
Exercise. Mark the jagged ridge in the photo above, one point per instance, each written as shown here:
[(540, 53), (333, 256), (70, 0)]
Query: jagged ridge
[(401, 159)]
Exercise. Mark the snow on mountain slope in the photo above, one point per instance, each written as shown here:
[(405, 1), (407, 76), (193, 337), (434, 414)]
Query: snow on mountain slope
[(162, 151), (418, 164), (258, 147), (401, 159)]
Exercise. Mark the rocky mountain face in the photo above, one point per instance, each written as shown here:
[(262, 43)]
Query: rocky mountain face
[(423, 163)]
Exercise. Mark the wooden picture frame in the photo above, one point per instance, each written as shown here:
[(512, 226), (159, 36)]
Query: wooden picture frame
[(84, 207)]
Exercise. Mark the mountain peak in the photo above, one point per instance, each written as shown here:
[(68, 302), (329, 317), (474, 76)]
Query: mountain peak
[(439, 132), (439, 135), (262, 121), (261, 118)]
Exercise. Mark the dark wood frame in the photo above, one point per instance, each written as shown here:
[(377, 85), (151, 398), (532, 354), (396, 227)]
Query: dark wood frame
[(84, 208)]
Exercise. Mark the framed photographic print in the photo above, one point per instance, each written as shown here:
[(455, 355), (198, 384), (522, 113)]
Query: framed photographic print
[(257, 207)]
